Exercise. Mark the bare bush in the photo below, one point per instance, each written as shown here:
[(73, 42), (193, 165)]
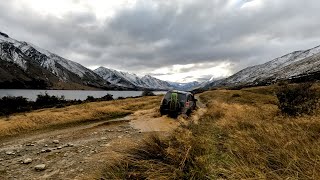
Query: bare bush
[(297, 99)]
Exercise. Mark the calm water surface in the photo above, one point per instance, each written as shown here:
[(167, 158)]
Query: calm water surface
[(70, 94)]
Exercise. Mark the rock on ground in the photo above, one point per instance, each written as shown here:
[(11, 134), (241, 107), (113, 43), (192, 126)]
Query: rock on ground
[(27, 161), (40, 167)]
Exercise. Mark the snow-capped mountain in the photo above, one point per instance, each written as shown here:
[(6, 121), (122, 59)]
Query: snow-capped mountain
[(131, 80), (62, 72), (154, 82), (185, 86), (289, 66), (119, 78), (19, 71)]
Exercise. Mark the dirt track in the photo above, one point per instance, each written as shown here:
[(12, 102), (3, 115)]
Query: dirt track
[(79, 152)]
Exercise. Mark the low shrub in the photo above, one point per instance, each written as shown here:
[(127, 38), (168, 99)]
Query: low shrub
[(90, 98), (107, 97), (147, 93), (297, 99), (9, 105), (45, 100)]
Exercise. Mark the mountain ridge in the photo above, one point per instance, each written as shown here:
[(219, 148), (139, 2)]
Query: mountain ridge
[(56, 72), (65, 72), (282, 68), (131, 80)]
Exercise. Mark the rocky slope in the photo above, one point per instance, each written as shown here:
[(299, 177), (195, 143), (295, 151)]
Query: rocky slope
[(24, 65), (289, 66)]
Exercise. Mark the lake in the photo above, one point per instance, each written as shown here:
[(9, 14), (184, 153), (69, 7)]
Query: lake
[(70, 94)]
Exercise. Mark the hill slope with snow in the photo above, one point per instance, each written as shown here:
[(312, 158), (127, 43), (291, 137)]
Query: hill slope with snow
[(289, 66), (57, 71)]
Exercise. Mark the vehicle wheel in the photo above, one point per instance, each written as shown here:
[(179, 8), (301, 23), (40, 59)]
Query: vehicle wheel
[(173, 115), (162, 113), (188, 113)]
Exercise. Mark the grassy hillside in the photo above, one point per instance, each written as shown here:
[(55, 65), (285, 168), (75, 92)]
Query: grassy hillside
[(243, 135)]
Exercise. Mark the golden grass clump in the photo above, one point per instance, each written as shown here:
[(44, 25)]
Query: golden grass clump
[(179, 156)]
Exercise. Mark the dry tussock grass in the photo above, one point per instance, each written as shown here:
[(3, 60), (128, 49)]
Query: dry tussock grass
[(259, 142), (162, 157), (242, 135), (82, 113)]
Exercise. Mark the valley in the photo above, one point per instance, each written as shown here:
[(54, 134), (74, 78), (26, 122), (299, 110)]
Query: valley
[(168, 90)]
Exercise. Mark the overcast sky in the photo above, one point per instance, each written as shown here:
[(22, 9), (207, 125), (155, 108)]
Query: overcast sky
[(176, 40)]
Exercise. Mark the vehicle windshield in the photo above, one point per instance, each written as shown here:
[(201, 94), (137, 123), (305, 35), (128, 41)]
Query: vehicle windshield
[(181, 97)]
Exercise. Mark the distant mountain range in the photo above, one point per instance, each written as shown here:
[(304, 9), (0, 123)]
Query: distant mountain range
[(125, 79), (185, 86), (24, 65), (296, 66)]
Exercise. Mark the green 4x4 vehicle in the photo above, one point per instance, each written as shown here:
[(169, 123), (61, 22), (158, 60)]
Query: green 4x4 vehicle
[(177, 102)]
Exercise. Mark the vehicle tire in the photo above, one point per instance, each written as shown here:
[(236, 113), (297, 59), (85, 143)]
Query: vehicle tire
[(188, 113), (162, 113), (173, 115)]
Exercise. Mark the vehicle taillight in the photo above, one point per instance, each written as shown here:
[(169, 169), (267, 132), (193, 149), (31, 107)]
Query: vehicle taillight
[(187, 104)]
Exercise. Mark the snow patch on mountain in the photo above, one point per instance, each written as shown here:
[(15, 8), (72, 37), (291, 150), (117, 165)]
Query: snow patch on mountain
[(10, 53)]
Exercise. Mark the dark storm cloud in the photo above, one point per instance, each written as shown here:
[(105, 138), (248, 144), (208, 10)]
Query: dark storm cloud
[(154, 34)]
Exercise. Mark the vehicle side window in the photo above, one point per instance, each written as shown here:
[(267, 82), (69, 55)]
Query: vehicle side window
[(167, 96), (182, 97), (190, 98)]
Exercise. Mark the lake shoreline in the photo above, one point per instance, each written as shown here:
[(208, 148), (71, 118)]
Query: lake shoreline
[(19, 104), (31, 95)]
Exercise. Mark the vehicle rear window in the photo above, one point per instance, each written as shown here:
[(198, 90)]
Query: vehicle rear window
[(181, 97)]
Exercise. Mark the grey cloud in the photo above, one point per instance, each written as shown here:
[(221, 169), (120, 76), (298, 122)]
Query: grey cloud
[(204, 78), (155, 34), (160, 74)]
